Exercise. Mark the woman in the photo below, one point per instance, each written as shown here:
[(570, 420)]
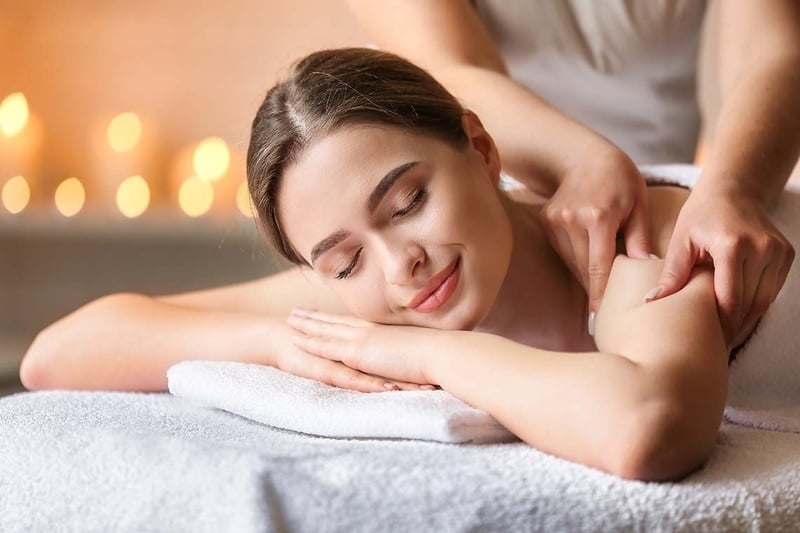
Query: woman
[(370, 175)]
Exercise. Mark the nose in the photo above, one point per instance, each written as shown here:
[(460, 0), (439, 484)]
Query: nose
[(401, 263)]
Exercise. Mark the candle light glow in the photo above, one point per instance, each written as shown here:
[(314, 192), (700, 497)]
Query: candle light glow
[(133, 196), (14, 114), (195, 196), (124, 132), (212, 158), (70, 197), (16, 194)]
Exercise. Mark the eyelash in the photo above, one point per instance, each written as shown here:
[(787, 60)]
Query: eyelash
[(421, 193)]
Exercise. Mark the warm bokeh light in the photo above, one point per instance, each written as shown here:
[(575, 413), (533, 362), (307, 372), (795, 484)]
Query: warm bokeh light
[(195, 196), (16, 194), (133, 196), (243, 200), (124, 132), (70, 197), (211, 159), (14, 114)]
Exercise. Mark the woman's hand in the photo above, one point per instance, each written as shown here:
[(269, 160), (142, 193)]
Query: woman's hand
[(601, 194), (751, 257), (396, 353)]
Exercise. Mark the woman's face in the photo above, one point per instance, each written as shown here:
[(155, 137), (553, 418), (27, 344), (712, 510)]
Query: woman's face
[(404, 228)]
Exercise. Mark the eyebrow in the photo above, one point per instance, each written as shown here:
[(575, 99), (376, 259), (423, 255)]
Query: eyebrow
[(374, 200)]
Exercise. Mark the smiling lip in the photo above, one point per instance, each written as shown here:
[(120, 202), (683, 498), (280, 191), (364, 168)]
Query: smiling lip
[(437, 291)]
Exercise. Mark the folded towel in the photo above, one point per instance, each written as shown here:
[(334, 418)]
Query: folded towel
[(277, 398)]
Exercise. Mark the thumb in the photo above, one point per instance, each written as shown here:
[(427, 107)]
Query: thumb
[(637, 233), (678, 264)]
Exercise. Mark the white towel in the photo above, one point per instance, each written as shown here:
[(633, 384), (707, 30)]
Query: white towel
[(280, 399)]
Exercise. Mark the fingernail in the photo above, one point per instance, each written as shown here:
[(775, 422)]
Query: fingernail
[(298, 311), (591, 323), (429, 387), (652, 294), (654, 256), (390, 386)]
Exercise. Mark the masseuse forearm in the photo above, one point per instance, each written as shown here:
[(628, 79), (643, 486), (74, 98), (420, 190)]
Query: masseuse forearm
[(128, 341), (757, 138), (591, 408), (536, 142)]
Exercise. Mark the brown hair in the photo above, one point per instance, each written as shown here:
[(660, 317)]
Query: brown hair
[(330, 89)]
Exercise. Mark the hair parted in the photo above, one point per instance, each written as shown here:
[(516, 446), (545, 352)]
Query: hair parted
[(330, 89)]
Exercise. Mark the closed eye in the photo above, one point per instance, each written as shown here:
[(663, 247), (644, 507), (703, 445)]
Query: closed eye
[(346, 272), (414, 203)]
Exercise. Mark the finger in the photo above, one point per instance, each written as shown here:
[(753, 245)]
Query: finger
[(318, 328), (752, 271), (554, 228), (579, 242), (678, 264), (568, 254), (785, 266), (602, 249), (348, 320), (637, 232), (326, 347), (412, 386), (728, 287), (332, 373), (765, 294)]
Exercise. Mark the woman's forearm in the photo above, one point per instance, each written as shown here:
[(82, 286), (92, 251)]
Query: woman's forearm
[(598, 409), (128, 341)]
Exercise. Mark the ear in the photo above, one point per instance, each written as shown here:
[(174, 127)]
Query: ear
[(481, 142)]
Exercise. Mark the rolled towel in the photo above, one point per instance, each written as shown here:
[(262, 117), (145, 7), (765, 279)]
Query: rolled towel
[(280, 399)]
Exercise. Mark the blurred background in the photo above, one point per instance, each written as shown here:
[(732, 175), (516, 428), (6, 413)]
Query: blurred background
[(123, 130)]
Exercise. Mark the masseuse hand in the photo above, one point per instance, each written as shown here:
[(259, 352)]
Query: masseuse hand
[(751, 257), (600, 194), (396, 353)]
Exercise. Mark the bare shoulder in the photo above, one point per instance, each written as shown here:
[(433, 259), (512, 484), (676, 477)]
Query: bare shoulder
[(663, 330), (664, 203)]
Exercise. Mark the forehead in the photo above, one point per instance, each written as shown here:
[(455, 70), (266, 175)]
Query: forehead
[(328, 186)]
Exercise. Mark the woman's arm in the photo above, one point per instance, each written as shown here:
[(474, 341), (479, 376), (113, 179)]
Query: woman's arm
[(647, 406), (127, 341)]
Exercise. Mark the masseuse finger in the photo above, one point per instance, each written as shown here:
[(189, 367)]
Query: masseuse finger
[(752, 271), (637, 232), (764, 295), (728, 287), (602, 249), (565, 248)]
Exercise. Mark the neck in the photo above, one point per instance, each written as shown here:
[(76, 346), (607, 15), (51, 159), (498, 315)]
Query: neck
[(540, 302)]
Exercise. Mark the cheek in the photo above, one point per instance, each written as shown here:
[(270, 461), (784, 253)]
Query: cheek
[(363, 299)]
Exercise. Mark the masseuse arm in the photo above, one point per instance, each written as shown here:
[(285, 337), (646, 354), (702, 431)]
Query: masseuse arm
[(756, 144), (447, 38), (647, 406)]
